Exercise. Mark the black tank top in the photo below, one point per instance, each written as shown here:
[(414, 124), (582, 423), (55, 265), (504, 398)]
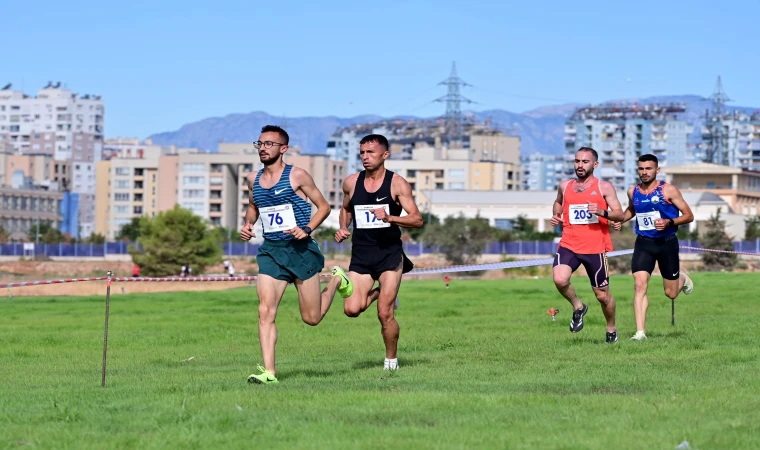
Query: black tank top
[(374, 232)]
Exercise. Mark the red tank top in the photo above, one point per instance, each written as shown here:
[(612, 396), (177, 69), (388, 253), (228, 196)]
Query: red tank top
[(584, 233)]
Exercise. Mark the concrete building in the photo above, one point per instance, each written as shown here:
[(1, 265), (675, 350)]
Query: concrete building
[(61, 124), (622, 133), (22, 209), (502, 208), (542, 172), (446, 169), (739, 188), (732, 140)]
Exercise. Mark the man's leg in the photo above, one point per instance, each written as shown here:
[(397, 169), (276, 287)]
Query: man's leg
[(640, 301), (673, 278), (270, 292), (389, 284), (313, 304), (608, 306), (363, 294), (598, 273)]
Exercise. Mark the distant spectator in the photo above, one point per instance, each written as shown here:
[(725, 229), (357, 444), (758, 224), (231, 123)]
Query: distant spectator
[(135, 271)]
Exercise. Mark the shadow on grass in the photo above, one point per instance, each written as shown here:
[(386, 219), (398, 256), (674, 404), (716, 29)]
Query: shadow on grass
[(309, 373)]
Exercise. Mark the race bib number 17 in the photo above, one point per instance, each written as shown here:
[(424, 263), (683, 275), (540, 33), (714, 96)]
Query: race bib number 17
[(579, 215), (277, 218), (365, 218)]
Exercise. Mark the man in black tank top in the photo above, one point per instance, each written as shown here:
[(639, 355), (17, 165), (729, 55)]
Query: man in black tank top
[(373, 201)]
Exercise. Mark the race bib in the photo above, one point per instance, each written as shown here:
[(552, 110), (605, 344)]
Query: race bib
[(365, 218), (646, 220), (278, 218), (579, 215)]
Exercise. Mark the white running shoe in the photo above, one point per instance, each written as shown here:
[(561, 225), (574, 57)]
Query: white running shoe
[(688, 285), (639, 336)]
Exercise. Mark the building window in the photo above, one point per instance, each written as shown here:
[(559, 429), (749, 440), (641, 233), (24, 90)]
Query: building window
[(195, 207), (193, 167), (120, 170), (456, 173), (192, 193), (123, 209), (121, 197), (503, 224), (121, 184), (456, 186), (193, 180)]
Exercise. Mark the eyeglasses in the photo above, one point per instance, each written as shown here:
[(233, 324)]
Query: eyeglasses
[(266, 144)]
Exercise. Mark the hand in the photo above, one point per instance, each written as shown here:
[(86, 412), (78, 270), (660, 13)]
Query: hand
[(661, 224), (593, 208), (297, 233), (556, 220), (381, 214), (617, 226), (246, 233), (342, 234)]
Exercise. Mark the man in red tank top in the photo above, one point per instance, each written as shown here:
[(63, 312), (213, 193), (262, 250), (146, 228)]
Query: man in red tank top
[(584, 206)]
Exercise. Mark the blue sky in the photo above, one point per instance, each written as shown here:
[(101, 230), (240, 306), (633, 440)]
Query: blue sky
[(161, 64)]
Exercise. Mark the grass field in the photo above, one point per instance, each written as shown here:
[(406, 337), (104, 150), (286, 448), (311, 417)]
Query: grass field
[(482, 366)]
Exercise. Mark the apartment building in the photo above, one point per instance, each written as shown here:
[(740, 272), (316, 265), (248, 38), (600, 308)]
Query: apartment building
[(451, 169), (738, 187), (542, 172), (61, 124), (621, 133), (22, 209), (732, 139)]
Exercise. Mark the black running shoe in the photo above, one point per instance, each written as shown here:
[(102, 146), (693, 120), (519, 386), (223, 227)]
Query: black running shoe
[(576, 324), (611, 337)]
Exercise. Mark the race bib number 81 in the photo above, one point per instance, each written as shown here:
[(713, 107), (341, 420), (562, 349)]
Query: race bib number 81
[(646, 220), (277, 218), (579, 215), (365, 218)]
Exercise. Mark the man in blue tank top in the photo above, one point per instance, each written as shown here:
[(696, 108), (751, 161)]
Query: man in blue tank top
[(278, 195), (373, 201), (659, 209)]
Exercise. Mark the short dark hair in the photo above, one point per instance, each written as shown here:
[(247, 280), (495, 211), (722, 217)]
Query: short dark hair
[(589, 149), (379, 138), (649, 157), (275, 129)]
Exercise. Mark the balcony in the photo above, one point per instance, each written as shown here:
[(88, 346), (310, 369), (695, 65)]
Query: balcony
[(216, 180)]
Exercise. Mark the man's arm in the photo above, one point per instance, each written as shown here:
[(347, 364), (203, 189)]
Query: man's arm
[(629, 212), (305, 183), (403, 191), (675, 197), (251, 214), (557, 206), (345, 211), (615, 212)]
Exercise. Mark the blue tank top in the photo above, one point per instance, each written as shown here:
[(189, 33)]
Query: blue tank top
[(651, 206), (281, 193)]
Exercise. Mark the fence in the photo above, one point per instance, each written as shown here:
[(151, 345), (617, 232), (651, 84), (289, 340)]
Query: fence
[(245, 249)]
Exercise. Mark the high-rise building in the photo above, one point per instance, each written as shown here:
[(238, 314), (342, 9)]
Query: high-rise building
[(542, 172), (622, 133), (64, 125), (732, 139)]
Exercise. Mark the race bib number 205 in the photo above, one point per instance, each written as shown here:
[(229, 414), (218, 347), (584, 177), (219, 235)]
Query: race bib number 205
[(579, 215), (277, 218)]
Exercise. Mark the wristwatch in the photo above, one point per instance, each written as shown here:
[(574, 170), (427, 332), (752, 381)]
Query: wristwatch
[(672, 222), (606, 213), (307, 230)]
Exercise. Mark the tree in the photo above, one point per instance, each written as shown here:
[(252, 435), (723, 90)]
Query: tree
[(174, 238), (715, 237), (95, 238), (323, 234), (130, 231), (752, 230), (47, 234), (427, 219), (524, 230), (222, 235), (4, 235), (461, 239)]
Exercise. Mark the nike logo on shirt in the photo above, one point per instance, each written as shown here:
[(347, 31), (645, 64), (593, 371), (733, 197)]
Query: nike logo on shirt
[(381, 199), (276, 192)]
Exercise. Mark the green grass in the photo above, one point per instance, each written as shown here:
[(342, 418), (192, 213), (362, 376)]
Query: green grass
[(482, 366)]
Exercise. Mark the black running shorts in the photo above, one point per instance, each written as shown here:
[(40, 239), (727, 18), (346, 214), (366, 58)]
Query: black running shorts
[(595, 265), (664, 252), (371, 260)]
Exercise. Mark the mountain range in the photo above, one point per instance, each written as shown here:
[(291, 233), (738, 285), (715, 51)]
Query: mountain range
[(541, 129)]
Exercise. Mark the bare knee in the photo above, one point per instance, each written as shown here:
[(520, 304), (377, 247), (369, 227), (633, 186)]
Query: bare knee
[(561, 281), (603, 296), (266, 313), (312, 321), (641, 285), (385, 316), (352, 310), (671, 293)]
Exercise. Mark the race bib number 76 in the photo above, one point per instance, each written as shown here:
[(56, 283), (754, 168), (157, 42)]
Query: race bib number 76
[(277, 218)]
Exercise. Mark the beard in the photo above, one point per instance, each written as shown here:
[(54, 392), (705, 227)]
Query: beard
[(585, 175), (269, 159)]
